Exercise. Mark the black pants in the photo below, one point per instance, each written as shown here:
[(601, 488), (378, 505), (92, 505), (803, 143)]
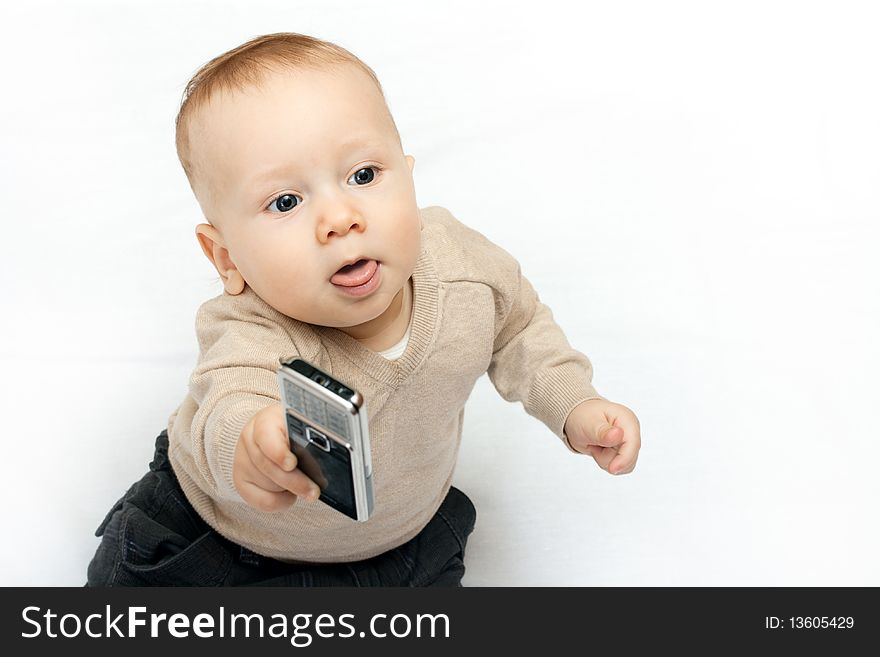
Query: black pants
[(153, 537)]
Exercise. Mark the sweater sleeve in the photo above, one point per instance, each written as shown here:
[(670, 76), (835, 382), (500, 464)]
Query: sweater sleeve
[(240, 344), (532, 360)]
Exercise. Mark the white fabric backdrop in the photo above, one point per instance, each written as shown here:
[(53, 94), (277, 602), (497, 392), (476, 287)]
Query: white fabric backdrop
[(691, 187)]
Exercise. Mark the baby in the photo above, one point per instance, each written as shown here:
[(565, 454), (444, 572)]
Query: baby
[(324, 254)]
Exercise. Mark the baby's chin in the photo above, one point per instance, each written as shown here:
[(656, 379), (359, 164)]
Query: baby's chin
[(355, 315), (342, 315)]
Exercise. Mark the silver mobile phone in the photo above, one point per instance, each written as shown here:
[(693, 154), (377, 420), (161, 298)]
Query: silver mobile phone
[(327, 428)]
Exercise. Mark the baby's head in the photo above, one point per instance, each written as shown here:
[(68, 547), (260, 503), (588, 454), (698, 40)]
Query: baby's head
[(296, 162)]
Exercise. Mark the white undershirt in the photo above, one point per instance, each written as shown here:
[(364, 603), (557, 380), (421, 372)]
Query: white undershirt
[(395, 352)]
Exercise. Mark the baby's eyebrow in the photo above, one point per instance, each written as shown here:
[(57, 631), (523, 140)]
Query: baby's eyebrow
[(264, 177)]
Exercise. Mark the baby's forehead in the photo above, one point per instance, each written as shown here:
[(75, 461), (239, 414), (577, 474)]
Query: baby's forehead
[(308, 94)]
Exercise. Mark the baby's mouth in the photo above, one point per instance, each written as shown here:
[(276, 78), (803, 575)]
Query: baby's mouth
[(355, 274)]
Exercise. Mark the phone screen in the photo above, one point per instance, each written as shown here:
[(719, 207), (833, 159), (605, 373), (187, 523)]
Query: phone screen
[(324, 461)]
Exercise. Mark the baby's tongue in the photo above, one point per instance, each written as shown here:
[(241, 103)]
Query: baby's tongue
[(356, 274)]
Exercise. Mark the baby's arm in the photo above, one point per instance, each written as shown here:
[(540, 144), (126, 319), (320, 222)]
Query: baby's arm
[(240, 342), (532, 361)]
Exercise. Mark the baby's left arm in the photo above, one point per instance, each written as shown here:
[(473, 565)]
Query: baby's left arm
[(532, 360), (533, 363)]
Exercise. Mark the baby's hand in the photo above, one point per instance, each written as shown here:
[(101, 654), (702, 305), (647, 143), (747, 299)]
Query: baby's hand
[(606, 431), (264, 470)]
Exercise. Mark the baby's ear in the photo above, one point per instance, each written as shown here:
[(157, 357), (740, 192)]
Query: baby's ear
[(205, 234), (411, 161), (212, 245)]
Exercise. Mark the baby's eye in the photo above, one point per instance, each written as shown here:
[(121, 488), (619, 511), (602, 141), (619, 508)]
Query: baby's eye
[(285, 203), (364, 175)]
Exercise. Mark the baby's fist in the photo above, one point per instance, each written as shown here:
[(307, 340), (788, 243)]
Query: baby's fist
[(608, 432)]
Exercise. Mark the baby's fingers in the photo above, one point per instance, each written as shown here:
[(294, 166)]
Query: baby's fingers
[(266, 500), (628, 451), (296, 481), (603, 455), (615, 460), (293, 479), (622, 463)]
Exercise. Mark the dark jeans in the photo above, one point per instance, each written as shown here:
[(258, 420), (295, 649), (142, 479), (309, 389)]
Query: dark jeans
[(154, 537)]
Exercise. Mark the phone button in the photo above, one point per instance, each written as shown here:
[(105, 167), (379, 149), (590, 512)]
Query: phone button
[(317, 438)]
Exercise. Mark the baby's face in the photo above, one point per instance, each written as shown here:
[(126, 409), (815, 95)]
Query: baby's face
[(303, 177)]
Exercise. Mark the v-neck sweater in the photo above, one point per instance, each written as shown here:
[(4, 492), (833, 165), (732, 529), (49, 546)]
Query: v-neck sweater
[(473, 313)]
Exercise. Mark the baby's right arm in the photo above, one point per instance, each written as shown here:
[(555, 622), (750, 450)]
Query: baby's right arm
[(264, 470), (241, 339)]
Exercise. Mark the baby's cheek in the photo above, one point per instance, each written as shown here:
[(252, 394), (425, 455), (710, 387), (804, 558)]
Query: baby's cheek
[(295, 300)]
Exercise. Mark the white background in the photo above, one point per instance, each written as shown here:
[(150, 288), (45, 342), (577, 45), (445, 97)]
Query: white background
[(691, 187)]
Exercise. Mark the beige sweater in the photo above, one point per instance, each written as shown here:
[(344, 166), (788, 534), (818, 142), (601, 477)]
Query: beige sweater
[(473, 312)]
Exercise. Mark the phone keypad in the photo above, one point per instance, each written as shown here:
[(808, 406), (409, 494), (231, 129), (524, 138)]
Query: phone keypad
[(317, 410), (338, 423)]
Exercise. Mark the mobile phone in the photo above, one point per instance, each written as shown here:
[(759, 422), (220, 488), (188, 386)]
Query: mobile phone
[(327, 428)]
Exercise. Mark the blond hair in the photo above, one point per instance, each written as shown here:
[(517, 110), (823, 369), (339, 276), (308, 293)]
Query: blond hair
[(248, 65)]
